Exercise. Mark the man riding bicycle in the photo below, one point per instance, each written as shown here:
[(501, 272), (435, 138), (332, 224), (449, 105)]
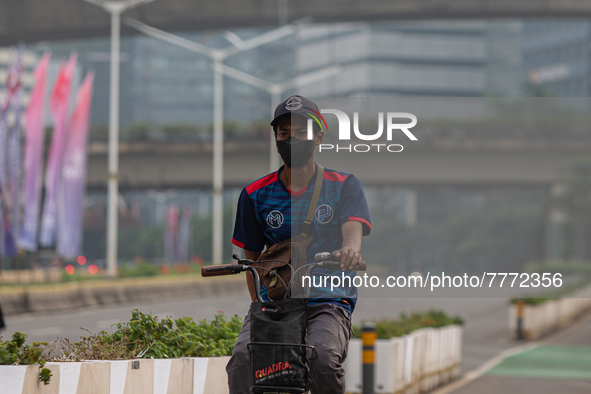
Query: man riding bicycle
[(272, 209)]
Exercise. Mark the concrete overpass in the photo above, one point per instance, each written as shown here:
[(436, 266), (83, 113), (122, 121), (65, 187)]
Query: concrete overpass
[(40, 20), (463, 163)]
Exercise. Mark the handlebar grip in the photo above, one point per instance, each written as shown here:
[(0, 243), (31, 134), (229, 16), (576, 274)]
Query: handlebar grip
[(327, 262), (219, 270), (335, 265)]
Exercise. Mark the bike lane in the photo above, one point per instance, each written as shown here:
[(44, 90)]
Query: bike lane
[(561, 364)]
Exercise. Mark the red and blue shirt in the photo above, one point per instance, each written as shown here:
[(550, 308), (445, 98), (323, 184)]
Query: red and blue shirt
[(269, 213)]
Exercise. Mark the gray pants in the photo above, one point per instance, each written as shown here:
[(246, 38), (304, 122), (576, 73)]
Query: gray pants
[(329, 328)]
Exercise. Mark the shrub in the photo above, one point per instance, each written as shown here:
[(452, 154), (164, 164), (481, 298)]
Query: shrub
[(551, 294), (182, 337), (144, 336), (15, 352), (405, 324), (99, 346)]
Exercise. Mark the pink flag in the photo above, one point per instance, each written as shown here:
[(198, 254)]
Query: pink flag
[(185, 235), (34, 139), (58, 106), (13, 86), (71, 190), (171, 233)]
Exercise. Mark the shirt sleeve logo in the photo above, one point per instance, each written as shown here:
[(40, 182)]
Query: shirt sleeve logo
[(275, 219), (324, 214)]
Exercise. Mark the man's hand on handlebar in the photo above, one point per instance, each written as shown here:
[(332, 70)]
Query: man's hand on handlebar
[(348, 257)]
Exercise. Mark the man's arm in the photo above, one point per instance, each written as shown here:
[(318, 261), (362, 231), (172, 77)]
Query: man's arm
[(251, 256), (350, 252)]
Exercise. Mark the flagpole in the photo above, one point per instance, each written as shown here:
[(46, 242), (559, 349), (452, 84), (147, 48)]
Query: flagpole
[(218, 163), (115, 8), (113, 186)]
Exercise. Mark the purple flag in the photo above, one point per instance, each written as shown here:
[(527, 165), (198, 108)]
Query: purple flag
[(33, 165), (14, 151), (185, 235), (8, 245), (71, 190), (58, 106), (12, 87)]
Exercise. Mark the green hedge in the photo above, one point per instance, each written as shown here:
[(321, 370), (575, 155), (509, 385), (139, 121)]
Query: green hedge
[(405, 324), (15, 352), (553, 294), (147, 336), (144, 336)]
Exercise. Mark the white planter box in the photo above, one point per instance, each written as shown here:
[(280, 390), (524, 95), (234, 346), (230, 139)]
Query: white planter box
[(541, 319), (146, 376), (414, 363)]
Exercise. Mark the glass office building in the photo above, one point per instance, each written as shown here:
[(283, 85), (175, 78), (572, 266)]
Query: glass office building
[(555, 56), (427, 58)]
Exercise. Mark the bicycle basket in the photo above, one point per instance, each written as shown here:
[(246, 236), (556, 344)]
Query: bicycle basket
[(281, 368)]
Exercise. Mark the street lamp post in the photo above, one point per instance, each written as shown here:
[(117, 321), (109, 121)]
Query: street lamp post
[(115, 8), (276, 90), (218, 56)]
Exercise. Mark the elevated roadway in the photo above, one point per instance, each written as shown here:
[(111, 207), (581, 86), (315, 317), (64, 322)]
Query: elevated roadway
[(432, 162), (40, 20)]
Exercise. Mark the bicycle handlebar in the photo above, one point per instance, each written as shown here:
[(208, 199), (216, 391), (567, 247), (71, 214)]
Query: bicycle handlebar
[(233, 269), (225, 269), (326, 260), (335, 265), (322, 260)]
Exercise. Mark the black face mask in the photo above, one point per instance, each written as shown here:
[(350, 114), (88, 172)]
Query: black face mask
[(295, 152)]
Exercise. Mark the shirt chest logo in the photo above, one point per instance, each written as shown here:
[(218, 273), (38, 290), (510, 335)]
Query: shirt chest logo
[(275, 219), (324, 214)]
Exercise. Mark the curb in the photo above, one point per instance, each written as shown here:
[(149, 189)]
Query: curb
[(71, 296)]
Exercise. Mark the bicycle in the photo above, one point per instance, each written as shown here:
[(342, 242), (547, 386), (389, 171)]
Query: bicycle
[(277, 366)]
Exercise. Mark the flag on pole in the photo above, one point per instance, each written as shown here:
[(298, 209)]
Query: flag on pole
[(58, 107), (71, 189), (8, 244), (14, 150), (185, 235), (171, 234), (12, 86), (33, 161)]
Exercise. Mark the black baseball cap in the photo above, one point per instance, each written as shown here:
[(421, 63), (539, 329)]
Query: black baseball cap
[(296, 105)]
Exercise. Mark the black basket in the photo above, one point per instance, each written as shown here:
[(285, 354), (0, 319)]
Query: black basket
[(281, 368)]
